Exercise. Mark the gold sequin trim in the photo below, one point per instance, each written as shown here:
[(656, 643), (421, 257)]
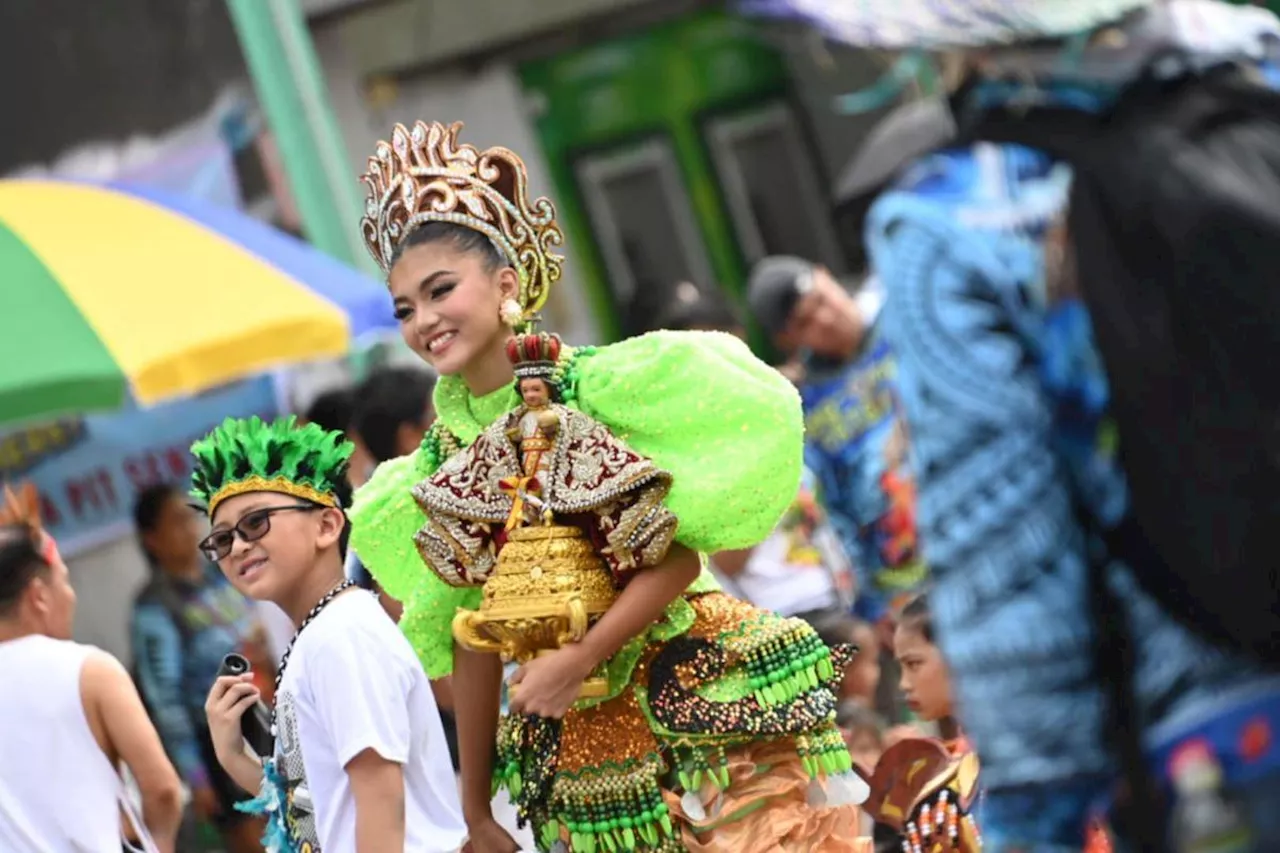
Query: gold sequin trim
[(276, 484)]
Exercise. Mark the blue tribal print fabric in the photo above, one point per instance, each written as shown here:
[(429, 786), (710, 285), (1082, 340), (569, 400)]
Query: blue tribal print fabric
[(1006, 400)]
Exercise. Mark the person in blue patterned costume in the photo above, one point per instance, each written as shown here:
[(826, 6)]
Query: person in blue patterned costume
[(1006, 401), (185, 620), (855, 440)]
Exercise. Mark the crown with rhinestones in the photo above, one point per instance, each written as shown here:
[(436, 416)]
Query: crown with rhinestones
[(251, 455), (426, 175), (535, 355)]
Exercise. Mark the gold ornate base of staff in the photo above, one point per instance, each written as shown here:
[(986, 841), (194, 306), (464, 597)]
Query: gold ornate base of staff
[(548, 587)]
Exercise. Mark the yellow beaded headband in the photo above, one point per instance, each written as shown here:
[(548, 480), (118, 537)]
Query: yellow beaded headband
[(275, 484), (426, 175)]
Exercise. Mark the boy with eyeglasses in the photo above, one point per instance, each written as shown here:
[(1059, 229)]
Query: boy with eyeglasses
[(360, 761)]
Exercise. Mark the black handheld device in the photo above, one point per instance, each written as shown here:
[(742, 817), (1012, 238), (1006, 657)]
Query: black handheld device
[(255, 724)]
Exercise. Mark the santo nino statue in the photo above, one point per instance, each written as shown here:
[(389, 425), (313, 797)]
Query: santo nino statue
[(543, 462)]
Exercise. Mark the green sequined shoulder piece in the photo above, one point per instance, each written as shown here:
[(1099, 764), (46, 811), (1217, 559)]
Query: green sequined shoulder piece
[(727, 426)]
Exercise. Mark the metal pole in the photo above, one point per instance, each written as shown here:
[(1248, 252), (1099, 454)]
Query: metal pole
[(286, 74)]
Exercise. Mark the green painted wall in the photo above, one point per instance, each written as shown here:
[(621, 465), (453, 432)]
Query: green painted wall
[(653, 82)]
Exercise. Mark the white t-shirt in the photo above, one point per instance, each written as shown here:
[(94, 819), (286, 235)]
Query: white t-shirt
[(354, 683), (278, 627)]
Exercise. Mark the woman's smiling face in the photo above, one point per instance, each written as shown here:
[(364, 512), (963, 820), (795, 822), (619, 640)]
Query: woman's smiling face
[(447, 299)]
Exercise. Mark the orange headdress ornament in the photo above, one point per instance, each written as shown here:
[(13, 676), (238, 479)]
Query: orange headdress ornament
[(23, 508), (426, 175)]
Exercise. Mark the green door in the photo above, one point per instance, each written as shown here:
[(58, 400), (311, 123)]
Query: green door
[(678, 156)]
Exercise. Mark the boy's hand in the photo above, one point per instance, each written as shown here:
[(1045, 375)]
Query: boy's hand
[(229, 698)]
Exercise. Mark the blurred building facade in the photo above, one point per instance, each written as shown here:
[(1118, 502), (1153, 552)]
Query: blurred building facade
[(679, 142)]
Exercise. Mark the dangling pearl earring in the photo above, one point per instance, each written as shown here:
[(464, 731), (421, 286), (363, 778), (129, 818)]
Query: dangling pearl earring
[(511, 312)]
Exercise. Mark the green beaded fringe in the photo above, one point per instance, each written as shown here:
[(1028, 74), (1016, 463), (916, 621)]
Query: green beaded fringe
[(824, 753), (566, 374), (791, 662), (438, 444), (694, 765), (607, 810)]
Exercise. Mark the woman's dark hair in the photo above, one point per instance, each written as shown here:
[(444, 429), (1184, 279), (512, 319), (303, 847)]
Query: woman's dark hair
[(917, 617), (460, 237), (20, 563), (388, 399)]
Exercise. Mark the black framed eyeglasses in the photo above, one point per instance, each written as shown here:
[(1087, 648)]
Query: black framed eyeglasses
[(217, 545)]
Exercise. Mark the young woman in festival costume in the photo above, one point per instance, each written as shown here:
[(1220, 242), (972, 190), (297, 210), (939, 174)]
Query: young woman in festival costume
[(360, 761), (712, 723)]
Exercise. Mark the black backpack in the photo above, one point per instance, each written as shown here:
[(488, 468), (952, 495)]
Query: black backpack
[(1175, 220)]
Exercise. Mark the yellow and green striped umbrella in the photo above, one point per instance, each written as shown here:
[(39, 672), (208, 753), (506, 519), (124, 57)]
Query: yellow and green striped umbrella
[(106, 291)]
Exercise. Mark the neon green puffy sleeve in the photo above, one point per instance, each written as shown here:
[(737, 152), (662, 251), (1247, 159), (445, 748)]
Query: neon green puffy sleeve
[(384, 518), (726, 425)]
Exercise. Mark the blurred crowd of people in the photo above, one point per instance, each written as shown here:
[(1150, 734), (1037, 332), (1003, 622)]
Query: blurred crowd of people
[(955, 523), (844, 557)]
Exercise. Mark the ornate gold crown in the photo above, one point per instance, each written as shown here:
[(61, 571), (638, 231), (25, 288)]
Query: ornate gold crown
[(425, 175)]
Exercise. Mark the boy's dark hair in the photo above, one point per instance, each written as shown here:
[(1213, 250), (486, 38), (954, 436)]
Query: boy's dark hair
[(20, 563), (150, 503), (387, 400), (332, 410), (343, 493)]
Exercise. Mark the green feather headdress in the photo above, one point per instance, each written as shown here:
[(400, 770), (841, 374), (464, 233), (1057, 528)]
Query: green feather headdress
[(250, 455)]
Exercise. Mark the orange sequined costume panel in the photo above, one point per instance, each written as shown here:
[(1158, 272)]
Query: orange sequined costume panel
[(702, 750)]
